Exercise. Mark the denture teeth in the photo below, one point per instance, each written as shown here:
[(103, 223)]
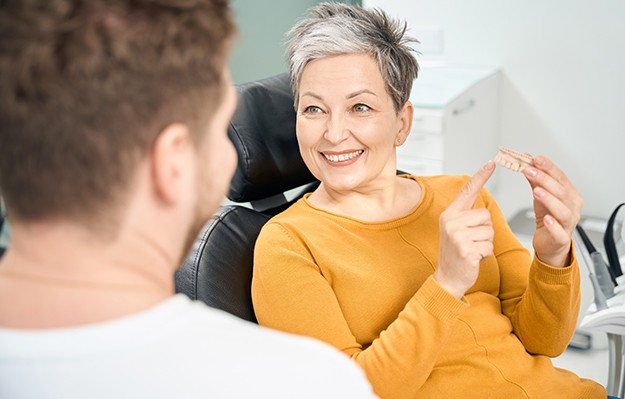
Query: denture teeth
[(513, 160)]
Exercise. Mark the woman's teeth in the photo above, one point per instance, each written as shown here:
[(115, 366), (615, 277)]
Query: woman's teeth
[(343, 157)]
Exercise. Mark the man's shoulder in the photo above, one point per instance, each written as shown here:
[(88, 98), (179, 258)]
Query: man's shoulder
[(273, 356), (254, 339), (179, 345)]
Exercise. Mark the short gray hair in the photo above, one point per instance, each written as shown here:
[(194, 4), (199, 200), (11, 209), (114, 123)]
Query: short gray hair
[(335, 29)]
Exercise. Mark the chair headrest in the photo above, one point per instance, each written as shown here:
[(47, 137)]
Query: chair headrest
[(263, 132)]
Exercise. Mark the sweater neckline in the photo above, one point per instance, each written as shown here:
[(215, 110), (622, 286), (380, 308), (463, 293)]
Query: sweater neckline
[(413, 214)]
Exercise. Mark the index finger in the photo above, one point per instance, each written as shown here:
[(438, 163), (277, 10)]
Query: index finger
[(469, 192)]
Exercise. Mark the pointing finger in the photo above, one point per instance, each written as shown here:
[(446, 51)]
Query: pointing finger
[(468, 194)]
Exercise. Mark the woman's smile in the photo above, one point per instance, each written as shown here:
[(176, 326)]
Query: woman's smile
[(341, 158)]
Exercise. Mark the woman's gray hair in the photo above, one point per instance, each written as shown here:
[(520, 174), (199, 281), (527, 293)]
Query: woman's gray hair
[(335, 29)]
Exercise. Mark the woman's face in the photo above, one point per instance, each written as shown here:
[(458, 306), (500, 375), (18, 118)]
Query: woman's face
[(347, 127)]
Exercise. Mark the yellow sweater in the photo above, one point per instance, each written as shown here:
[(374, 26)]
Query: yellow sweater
[(367, 289)]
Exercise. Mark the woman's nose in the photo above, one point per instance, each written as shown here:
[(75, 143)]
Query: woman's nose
[(336, 129)]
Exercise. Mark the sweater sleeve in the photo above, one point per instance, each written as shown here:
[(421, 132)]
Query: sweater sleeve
[(291, 294), (542, 302)]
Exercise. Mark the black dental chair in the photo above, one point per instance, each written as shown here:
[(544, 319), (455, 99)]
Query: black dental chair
[(2, 220), (2, 249), (218, 270)]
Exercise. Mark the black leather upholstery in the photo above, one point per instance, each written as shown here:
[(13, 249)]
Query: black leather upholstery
[(263, 133), (218, 270), (2, 249)]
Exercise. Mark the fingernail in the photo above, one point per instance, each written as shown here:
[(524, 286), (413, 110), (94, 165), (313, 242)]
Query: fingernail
[(489, 165), (539, 192), (538, 160), (531, 172), (548, 220)]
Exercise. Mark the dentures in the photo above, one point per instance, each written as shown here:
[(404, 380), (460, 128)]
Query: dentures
[(513, 160)]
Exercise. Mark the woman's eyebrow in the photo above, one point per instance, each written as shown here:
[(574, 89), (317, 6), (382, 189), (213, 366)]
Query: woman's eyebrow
[(311, 94), (359, 92), (347, 97)]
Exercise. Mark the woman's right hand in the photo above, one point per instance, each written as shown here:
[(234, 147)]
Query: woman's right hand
[(466, 237)]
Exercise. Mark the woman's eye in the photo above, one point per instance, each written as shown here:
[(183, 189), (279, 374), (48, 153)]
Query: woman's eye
[(361, 108), (312, 109)]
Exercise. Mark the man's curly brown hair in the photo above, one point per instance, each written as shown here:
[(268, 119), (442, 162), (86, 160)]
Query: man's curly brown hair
[(86, 86)]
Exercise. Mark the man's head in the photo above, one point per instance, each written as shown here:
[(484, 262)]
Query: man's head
[(87, 89)]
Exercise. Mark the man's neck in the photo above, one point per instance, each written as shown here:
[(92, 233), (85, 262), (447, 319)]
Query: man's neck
[(62, 275)]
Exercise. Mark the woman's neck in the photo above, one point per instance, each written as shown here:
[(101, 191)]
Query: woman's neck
[(384, 202)]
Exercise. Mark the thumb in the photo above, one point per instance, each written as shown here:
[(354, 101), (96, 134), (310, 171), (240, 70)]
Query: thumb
[(469, 192)]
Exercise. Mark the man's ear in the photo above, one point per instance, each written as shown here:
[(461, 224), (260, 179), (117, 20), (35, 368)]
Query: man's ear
[(169, 161), (405, 120)]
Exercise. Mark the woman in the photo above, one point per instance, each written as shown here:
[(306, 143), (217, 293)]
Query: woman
[(418, 279)]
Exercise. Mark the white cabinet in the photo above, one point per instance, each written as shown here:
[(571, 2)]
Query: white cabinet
[(455, 124)]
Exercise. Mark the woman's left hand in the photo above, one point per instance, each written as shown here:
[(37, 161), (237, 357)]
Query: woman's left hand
[(557, 206)]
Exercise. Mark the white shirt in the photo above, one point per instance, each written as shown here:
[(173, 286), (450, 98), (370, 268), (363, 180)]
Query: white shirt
[(178, 349)]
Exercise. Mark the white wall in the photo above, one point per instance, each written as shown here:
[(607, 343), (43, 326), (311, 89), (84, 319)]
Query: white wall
[(563, 84)]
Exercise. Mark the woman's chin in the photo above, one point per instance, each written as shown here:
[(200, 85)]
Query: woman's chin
[(341, 183)]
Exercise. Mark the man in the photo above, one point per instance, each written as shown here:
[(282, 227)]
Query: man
[(113, 152)]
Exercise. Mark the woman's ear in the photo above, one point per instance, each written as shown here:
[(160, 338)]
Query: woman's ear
[(405, 123), (170, 161)]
